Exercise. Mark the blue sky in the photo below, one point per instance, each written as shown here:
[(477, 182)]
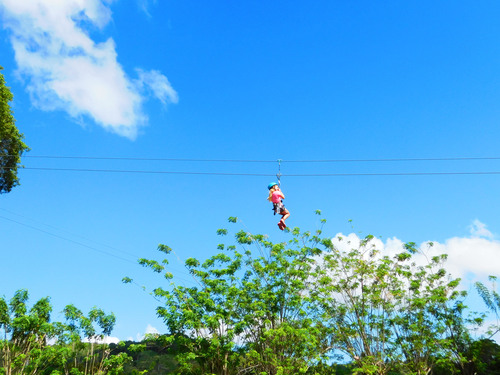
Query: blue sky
[(117, 84)]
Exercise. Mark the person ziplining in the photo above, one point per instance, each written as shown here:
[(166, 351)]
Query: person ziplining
[(276, 196)]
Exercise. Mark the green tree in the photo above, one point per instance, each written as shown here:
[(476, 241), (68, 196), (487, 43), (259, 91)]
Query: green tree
[(491, 299), (248, 311), (260, 307), (11, 141), (89, 356), (355, 290), (26, 334), (483, 358), (485, 355), (388, 313)]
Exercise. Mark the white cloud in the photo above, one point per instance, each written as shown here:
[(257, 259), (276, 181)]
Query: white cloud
[(159, 85), (104, 340), (391, 247), (65, 69), (475, 257), (152, 330)]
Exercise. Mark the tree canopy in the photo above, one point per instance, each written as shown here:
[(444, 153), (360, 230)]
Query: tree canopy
[(30, 343), (260, 307), (311, 305), (11, 141)]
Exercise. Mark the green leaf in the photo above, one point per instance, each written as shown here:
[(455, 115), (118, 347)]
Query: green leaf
[(221, 232)]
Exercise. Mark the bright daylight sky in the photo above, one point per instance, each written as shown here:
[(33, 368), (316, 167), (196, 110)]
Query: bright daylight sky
[(119, 83)]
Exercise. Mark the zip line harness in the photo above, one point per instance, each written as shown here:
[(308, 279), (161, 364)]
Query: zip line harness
[(278, 175)]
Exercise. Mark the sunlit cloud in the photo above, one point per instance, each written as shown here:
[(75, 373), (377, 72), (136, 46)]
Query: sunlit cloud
[(103, 340), (65, 69), (473, 258), (150, 330)]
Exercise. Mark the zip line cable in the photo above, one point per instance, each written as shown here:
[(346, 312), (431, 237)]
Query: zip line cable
[(144, 171), (68, 233), (67, 239), (79, 243), (147, 159), (259, 161), (260, 174), (279, 175)]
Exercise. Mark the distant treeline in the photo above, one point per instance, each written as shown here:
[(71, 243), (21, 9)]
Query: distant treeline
[(157, 359)]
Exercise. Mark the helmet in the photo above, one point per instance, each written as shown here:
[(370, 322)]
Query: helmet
[(271, 185)]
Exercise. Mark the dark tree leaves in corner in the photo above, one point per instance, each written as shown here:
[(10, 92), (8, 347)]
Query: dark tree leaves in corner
[(11, 141)]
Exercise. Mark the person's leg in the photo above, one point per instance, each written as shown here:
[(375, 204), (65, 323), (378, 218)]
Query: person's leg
[(286, 215)]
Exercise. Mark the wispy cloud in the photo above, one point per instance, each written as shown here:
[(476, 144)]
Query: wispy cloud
[(158, 84), (65, 69), (478, 229), (145, 5)]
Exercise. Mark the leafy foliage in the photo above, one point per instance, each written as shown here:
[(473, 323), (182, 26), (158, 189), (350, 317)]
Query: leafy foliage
[(289, 308), (387, 313), (31, 344), (11, 141), (247, 312), (491, 299), (258, 307)]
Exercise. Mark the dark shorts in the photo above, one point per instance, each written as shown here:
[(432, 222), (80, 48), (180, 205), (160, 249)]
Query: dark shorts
[(279, 208)]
